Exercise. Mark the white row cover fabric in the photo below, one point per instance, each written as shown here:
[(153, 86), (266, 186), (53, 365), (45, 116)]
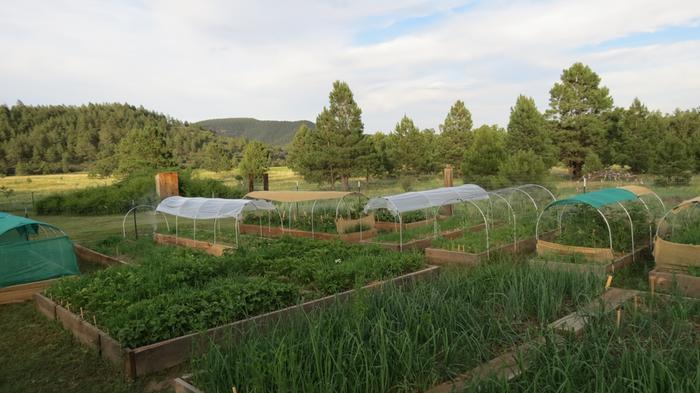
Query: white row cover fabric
[(418, 200), (210, 208)]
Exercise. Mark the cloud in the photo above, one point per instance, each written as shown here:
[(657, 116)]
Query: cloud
[(277, 60)]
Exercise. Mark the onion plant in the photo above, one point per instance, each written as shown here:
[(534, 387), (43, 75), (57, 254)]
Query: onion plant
[(397, 339), (656, 348)]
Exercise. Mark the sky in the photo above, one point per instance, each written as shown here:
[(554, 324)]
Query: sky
[(277, 60)]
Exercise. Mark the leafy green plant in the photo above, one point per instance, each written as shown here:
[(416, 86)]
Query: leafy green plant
[(169, 291)]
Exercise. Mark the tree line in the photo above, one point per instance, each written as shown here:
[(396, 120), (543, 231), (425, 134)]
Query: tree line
[(106, 139), (581, 129)]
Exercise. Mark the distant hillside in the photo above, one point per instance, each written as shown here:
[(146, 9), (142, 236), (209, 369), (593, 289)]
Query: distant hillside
[(274, 132)]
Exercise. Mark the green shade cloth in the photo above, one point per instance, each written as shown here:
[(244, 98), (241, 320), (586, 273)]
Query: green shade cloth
[(25, 257), (598, 199)]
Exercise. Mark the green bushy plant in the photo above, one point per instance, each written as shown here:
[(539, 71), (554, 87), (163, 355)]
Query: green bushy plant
[(168, 291), (137, 188)]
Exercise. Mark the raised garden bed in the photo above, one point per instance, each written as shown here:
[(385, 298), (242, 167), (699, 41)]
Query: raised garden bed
[(165, 354), (86, 254), (210, 248), (513, 363), (600, 268), (440, 256), (393, 226), (441, 334), (665, 281), (149, 315), (23, 292), (650, 340), (423, 243), (272, 232)]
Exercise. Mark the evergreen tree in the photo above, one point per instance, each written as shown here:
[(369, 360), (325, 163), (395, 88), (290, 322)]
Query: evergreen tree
[(483, 159), (528, 130), (411, 150), (673, 163), (523, 166), (455, 135), (144, 148), (334, 148), (577, 105), (255, 161)]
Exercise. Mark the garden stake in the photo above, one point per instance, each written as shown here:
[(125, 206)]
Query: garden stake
[(608, 282), (81, 314), (619, 316)]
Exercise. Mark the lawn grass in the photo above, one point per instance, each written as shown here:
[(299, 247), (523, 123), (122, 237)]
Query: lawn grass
[(39, 356)]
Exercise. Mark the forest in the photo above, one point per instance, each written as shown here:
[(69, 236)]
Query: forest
[(105, 139)]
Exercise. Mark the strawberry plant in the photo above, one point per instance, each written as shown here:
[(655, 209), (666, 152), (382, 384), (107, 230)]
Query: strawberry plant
[(170, 291)]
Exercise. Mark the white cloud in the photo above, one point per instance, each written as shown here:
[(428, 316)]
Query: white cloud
[(277, 60)]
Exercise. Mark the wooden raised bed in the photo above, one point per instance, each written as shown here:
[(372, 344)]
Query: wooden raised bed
[(513, 363), (440, 256), (595, 267), (666, 281), (423, 243), (510, 364), (169, 353), (89, 255), (23, 292), (390, 226), (210, 248), (265, 231)]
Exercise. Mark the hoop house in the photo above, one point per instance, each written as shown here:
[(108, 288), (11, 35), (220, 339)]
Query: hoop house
[(430, 202), (677, 241), (32, 251), (322, 214), (595, 225), (216, 209)]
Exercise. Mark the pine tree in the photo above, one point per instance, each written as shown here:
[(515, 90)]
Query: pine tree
[(255, 161), (483, 159), (577, 105), (411, 150), (334, 149), (528, 130), (455, 135)]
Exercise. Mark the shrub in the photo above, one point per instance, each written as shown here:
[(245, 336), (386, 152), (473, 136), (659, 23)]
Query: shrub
[(138, 188), (523, 167)]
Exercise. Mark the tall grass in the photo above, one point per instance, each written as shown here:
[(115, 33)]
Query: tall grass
[(654, 350), (394, 339)]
